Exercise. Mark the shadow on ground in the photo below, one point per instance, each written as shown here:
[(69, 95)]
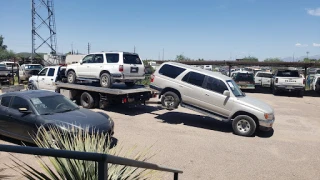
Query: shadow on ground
[(204, 122), (133, 110), (261, 90)]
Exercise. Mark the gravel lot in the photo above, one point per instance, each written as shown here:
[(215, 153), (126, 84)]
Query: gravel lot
[(206, 149)]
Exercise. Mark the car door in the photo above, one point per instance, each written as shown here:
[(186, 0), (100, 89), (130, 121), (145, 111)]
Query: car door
[(257, 79), (96, 66), (83, 70), (266, 79), (49, 79), (191, 88), (5, 123), (24, 125), (213, 99), (41, 84)]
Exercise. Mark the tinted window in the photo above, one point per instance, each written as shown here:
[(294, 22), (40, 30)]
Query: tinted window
[(43, 72), (19, 102), (194, 78), (51, 72), (98, 58), (5, 101), (216, 85), (267, 75), (112, 58), (131, 59), (88, 59), (30, 67), (244, 77), (171, 71), (288, 73)]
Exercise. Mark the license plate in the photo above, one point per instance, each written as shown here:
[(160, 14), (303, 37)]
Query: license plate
[(134, 69), (289, 87)]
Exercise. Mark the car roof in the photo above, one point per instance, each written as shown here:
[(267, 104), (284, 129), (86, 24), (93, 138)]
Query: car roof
[(31, 94), (203, 71), (101, 52)]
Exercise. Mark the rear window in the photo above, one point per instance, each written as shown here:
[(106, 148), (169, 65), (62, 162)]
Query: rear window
[(5, 101), (267, 75), (112, 58), (171, 71), (131, 59), (244, 77), (288, 74)]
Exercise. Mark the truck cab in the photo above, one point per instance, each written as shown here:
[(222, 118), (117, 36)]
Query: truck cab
[(46, 78)]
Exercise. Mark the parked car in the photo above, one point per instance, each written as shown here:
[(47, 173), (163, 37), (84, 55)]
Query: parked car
[(244, 79), (212, 94), (108, 67), (315, 85), (10, 65), (23, 113), (289, 81), (207, 67), (27, 70), (5, 74), (263, 79)]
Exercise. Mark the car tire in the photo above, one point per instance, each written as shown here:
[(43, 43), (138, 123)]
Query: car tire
[(244, 125), (170, 100), (130, 84), (274, 91), (300, 93), (71, 77), (87, 101), (105, 80), (31, 87)]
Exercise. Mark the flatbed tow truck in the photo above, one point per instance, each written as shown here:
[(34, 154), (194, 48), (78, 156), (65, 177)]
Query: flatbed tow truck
[(88, 96)]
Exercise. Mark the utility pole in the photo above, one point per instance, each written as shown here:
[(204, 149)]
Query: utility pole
[(134, 49), (162, 54), (89, 48), (72, 48), (308, 54)]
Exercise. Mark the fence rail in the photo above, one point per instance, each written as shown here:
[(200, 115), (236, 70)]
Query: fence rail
[(102, 159)]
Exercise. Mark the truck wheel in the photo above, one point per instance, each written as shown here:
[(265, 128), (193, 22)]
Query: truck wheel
[(274, 91), (87, 100), (130, 84), (170, 100), (71, 77), (105, 80), (244, 125)]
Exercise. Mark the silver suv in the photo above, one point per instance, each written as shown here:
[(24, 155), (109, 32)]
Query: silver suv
[(108, 67), (212, 94)]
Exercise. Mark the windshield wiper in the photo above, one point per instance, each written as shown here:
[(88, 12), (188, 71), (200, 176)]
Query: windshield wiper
[(48, 113)]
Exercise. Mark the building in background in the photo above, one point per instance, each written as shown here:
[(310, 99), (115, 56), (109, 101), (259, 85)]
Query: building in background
[(50, 59), (74, 58)]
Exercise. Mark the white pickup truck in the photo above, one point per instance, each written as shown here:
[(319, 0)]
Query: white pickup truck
[(263, 79), (289, 81), (315, 85)]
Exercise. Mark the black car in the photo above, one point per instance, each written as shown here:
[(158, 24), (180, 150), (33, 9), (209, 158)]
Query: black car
[(23, 113)]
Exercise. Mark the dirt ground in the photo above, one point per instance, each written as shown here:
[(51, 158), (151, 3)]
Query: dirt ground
[(207, 149)]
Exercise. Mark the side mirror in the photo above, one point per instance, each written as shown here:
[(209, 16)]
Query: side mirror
[(24, 110), (226, 93), (80, 62)]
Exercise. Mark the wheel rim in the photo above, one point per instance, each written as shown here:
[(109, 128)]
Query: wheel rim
[(169, 101), (70, 77), (104, 80), (85, 101), (243, 126)]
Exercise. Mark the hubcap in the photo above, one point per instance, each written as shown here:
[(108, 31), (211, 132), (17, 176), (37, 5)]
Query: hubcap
[(169, 101), (104, 80), (70, 77), (243, 125)]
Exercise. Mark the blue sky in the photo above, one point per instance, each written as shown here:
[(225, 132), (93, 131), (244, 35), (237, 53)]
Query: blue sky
[(209, 29)]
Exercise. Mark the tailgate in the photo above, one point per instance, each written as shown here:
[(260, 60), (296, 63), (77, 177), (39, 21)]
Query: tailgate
[(293, 81), (132, 65)]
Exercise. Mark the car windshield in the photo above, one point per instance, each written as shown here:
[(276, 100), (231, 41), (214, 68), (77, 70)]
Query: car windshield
[(131, 59), (244, 77), (30, 67), (3, 67), (235, 88), (53, 104), (288, 74)]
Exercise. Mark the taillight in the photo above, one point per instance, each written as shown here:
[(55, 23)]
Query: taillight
[(304, 81), (121, 68), (152, 78), (276, 80)]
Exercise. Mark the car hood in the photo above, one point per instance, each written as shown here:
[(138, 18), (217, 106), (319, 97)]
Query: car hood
[(82, 117), (255, 104)]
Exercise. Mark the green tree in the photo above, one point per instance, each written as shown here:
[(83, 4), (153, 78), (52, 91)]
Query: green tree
[(250, 59), (2, 46), (273, 60), (181, 57)]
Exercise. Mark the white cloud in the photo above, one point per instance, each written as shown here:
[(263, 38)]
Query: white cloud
[(314, 12), (316, 45), (301, 45)]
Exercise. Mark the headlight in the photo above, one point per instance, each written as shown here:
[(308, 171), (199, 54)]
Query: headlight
[(269, 116)]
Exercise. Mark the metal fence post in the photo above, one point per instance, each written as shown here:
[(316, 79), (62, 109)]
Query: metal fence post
[(175, 176), (102, 170)]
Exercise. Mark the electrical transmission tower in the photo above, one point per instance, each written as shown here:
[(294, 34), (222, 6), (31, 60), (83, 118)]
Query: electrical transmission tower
[(44, 30)]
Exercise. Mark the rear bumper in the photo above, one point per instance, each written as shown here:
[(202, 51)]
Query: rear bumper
[(289, 88), (121, 76)]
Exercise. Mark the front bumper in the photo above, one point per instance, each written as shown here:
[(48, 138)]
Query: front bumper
[(289, 88), (267, 124)]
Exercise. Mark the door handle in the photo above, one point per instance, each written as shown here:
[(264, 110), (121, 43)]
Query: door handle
[(207, 94), (51, 79)]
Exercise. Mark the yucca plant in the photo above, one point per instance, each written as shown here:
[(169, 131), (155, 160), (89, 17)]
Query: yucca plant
[(71, 169)]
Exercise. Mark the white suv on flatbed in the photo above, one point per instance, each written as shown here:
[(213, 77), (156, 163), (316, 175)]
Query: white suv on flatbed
[(108, 67)]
